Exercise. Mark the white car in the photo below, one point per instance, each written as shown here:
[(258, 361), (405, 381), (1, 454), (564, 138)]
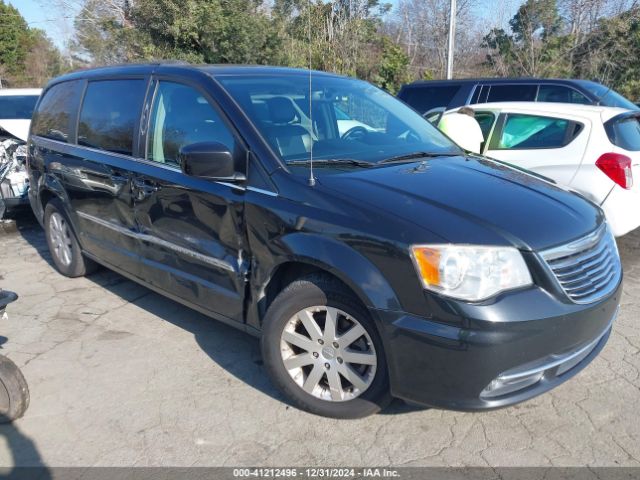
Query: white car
[(16, 108), (590, 149)]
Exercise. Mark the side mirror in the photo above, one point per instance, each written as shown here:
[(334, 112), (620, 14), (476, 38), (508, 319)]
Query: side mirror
[(211, 160)]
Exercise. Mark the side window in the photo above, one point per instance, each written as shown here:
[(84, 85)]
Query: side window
[(558, 93), (512, 93), (57, 112), (485, 120), (182, 116), (425, 98), (531, 131), (110, 113)]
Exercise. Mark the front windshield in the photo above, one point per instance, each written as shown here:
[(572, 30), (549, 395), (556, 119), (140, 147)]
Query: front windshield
[(348, 119), (17, 107), (608, 96)]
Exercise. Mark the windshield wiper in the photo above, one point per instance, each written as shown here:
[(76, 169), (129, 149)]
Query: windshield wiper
[(332, 161), (415, 155)]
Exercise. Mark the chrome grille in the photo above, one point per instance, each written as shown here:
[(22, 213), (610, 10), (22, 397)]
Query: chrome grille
[(587, 269)]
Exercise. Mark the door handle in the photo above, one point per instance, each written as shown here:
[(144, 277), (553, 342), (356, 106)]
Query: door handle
[(118, 178), (143, 189)]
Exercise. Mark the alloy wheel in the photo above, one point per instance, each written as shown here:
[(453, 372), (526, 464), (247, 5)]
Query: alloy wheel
[(60, 237), (328, 353)]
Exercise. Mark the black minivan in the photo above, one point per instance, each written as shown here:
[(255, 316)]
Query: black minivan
[(373, 257)]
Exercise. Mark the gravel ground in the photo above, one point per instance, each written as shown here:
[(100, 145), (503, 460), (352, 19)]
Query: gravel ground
[(121, 376)]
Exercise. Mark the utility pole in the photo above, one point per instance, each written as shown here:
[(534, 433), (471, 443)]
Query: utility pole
[(452, 37)]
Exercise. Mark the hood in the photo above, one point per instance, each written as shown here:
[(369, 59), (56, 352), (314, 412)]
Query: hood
[(473, 200), (17, 128)]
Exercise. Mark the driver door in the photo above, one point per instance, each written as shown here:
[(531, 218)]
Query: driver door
[(193, 243)]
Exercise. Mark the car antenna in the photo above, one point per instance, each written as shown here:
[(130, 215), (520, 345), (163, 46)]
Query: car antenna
[(312, 179)]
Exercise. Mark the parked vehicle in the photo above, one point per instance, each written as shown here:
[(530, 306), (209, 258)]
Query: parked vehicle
[(393, 266), (14, 392), (431, 98), (592, 150), (16, 108)]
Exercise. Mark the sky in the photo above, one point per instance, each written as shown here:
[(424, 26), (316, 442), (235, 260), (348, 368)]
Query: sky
[(40, 14), (53, 22)]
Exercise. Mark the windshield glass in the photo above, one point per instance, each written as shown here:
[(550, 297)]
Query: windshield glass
[(347, 118), (18, 107), (608, 97)]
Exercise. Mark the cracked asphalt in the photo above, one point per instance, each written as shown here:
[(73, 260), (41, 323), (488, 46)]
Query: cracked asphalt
[(121, 376)]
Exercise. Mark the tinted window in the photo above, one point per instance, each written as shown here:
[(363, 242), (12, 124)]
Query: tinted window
[(625, 134), (17, 106), (182, 116), (607, 96), (512, 93), (57, 112), (532, 131), (110, 113), (558, 93), (485, 120), (424, 98)]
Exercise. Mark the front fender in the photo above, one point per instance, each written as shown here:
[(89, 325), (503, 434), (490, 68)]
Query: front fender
[(337, 258)]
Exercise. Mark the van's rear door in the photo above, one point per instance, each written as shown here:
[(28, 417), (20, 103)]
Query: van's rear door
[(98, 180)]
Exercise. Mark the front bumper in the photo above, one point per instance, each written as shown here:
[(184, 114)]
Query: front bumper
[(522, 344)]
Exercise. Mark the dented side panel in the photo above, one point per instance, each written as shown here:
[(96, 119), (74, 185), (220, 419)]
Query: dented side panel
[(191, 239)]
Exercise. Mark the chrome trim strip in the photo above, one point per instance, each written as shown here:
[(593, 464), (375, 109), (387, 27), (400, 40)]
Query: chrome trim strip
[(264, 192), (506, 376), (598, 246), (158, 241), (576, 246)]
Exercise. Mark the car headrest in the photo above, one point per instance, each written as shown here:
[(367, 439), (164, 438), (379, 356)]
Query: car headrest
[(281, 110)]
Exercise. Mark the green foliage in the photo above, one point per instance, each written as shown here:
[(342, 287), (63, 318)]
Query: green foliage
[(393, 69), (27, 56), (535, 17), (340, 36), (611, 54)]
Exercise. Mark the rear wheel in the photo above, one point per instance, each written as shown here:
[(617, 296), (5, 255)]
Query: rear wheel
[(63, 244), (322, 350)]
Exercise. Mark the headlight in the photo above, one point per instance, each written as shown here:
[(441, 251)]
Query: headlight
[(470, 272)]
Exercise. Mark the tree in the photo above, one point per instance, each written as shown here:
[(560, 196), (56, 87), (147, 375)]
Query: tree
[(393, 66), (534, 47), (422, 26), (610, 53), (27, 56), (14, 41)]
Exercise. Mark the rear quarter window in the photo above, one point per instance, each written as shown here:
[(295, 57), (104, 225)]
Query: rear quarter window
[(425, 98), (624, 133), (110, 113), (57, 112), (561, 94)]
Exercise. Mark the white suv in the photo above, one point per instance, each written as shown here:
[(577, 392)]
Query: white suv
[(591, 149)]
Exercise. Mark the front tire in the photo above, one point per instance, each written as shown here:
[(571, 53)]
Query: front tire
[(321, 348), (63, 244)]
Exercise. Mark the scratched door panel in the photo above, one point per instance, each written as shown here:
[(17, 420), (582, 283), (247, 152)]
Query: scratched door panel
[(191, 239)]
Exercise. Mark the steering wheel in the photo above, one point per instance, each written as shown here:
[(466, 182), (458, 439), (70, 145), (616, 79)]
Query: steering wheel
[(355, 133)]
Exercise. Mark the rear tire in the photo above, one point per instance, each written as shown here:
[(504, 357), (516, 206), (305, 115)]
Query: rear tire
[(14, 392), (334, 372), (63, 244)]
